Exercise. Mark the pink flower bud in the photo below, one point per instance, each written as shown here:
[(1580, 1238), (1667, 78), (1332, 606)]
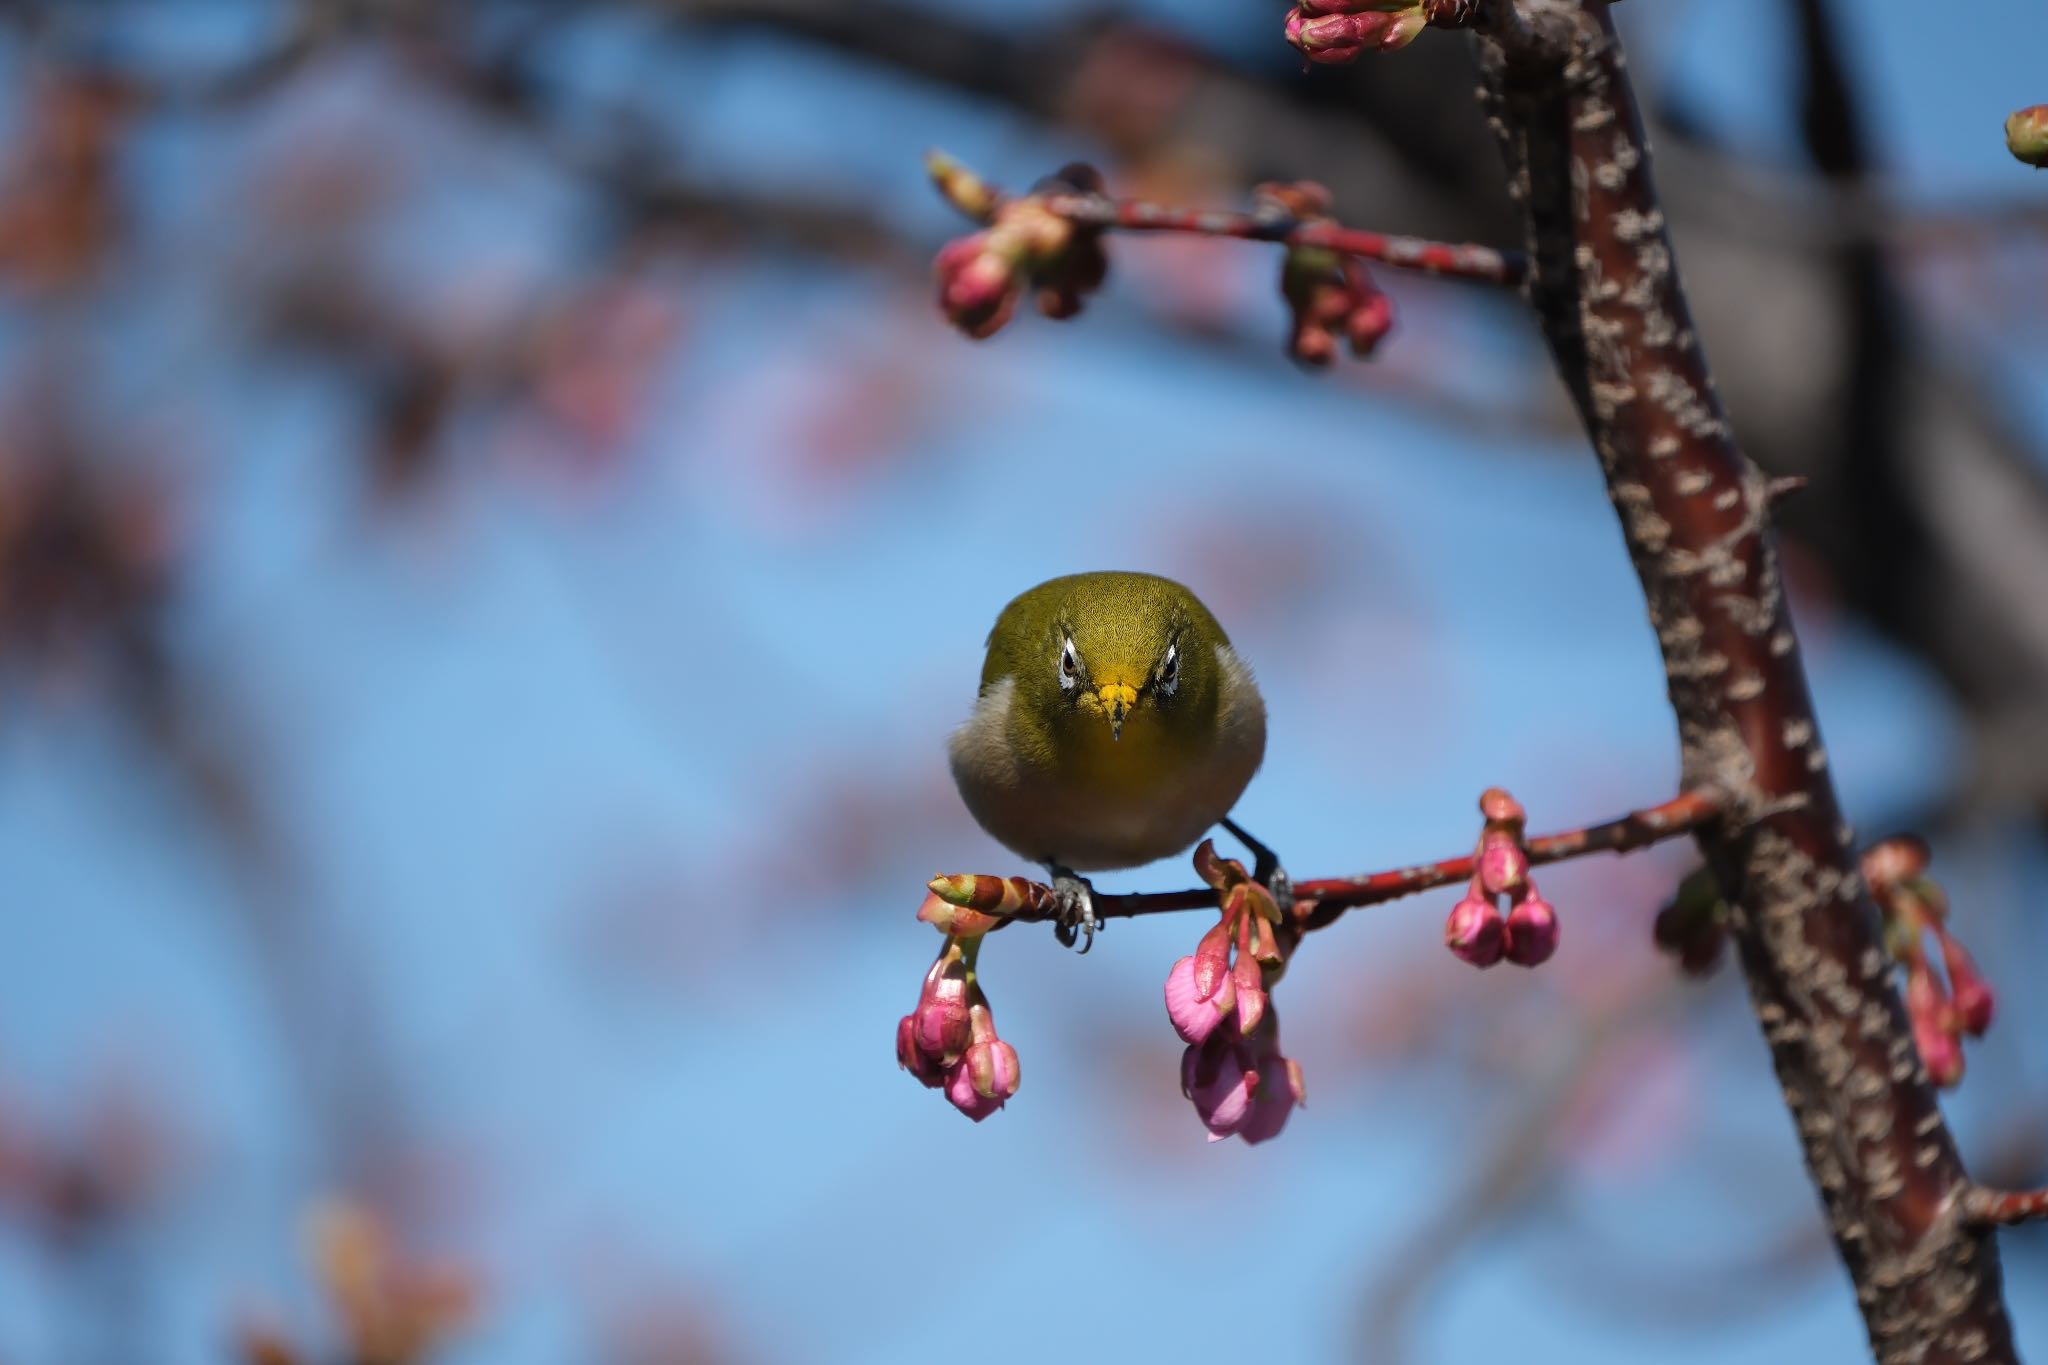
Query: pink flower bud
[(1500, 808), (912, 1058), (1473, 931), (942, 1027), (951, 1019), (1503, 866), (1312, 345), (1241, 1085), (1935, 1031), (1974, 1003), (1975, 1006), (1940, 1051), (1195, 1017), (1337, 38), (1531, 932), (978, 286), (1355, 6), (1369, 323), (1894, 859), (983, 1079)]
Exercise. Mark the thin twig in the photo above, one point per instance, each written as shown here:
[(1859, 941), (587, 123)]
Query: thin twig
[(1319, 903), (1463, 261), (1983, 1207)]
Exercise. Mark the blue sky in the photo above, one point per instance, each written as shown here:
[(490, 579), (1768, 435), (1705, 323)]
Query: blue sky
[(606, 809)]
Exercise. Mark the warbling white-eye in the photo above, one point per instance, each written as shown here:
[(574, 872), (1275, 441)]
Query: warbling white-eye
[(1115, 725)]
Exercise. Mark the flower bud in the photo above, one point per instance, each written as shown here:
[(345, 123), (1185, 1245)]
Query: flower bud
[(1940, 1051), (912, 1058), (1473, 930), (1342, 37), (942, 1028), (1935, 1031), (931, 1037), (1369, 323), (978, 285), (1975, 1006), (1974, 1003), (1531, 933), (1503, 866), (2026, 135), (1280, 1089), (1499, 807), (1241, 1085), (1892, 860), (984, 1078), (1220, 1085)]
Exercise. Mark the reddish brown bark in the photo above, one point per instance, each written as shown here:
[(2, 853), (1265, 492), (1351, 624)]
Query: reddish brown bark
[(1321, 901), (1694, 512)]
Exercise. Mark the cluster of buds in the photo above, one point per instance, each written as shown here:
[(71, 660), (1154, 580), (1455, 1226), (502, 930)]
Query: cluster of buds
[(1915, 909), (1693, 927), (1329, 294), (1217, 997), (2026, 135), (1337, 31), (1475, 930), (1024, 245), (949, 1041)]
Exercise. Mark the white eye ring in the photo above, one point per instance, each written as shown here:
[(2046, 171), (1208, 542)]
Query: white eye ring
[(1169, 671), (1070, 666)]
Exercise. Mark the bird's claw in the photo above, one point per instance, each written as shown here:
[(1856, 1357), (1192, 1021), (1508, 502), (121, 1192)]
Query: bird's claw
[(1281, 885), (1074, 913)]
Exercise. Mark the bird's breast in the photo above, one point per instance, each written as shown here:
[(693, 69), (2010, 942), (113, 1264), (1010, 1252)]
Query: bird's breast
[(1145, 757)]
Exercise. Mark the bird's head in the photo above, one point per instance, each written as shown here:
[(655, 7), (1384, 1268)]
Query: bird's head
[(1125, 658)]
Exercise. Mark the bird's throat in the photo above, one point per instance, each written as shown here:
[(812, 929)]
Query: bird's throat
[(1131, 764)]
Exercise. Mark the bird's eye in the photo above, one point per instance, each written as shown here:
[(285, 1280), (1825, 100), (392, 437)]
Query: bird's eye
[(1070, 667), (1169, 670)]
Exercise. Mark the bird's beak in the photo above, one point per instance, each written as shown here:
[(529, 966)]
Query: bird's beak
[(1117, 700)]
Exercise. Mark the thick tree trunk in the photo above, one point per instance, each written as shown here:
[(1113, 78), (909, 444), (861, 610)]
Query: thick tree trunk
[(1695, 512)]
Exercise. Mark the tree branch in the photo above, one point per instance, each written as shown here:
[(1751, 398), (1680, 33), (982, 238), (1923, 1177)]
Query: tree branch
[(1983, 1208), (1273, 222), (1319, 903), (1482, 264), (1694, 513)]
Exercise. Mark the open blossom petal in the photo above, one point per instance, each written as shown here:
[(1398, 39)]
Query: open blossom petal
[(1221, 1088), (1280, 1090), (1195, 1018)]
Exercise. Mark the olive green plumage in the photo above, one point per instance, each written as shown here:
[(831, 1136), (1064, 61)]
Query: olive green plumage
[(1115, 723)]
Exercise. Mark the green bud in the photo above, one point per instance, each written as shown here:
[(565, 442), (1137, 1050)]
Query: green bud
[(2026, 135)]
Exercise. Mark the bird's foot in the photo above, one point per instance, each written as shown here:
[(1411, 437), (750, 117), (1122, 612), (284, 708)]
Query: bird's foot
[(1266, 869), (1074, 914)]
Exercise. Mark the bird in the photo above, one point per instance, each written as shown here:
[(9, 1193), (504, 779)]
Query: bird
[(1115, 725)]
